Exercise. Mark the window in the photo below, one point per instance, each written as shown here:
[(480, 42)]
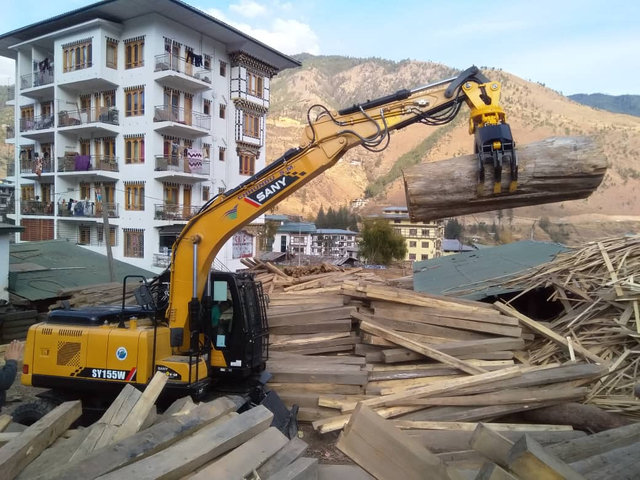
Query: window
[(220, 190), (85, 191), (425, 244), (113, 233), (254, 85), (247, 164), (134, 197), (413, 232), (396, 221), (134, 100), (134, 149), (207, 62), (27, 192), (171, 193), (84, 235), (412, 256), (223, 69), (205, 194), (252, 125), (76, 56), (206, 151), (424, 232), (413, 244), (134, 53), (46, 108), (222, 111), (112, 53), (206, 109), (221, 153), (424, 256), (133, 243)]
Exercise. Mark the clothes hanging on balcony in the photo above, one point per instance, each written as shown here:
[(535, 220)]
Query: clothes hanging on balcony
[(82, 163), (197, 60), (39, 166), (190, 57), (194, 156)]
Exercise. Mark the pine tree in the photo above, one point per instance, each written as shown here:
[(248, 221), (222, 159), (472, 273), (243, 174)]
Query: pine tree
[(321, 219), (331, 218)]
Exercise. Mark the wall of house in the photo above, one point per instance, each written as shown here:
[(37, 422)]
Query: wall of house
[(4, 267)]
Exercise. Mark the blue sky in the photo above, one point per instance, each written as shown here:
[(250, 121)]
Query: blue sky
[(572, 46)]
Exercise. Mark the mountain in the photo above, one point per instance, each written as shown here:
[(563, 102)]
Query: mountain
[(533, 111), (628, 104)]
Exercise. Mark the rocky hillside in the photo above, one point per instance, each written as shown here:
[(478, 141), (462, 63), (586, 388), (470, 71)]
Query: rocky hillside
[(534, 112), (629, 104), (6, 119)]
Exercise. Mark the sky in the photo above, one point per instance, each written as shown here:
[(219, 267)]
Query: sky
[(572, 46)]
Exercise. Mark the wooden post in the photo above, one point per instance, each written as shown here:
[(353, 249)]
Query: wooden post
[(106, 234), (553, 170)]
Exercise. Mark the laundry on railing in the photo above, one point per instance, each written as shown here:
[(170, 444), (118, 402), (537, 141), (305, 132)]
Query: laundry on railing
[(195, 156), (82, 163)]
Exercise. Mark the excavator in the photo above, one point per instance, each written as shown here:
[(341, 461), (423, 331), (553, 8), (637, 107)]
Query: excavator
[(208, 330)]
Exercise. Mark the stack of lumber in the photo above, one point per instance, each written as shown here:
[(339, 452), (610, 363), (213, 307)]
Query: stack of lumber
[(205, 441), (102, 294), (491, 451), (598, 288), (15, 324)]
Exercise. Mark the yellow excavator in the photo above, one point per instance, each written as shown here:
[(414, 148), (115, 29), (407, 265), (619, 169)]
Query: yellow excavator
[(208, 330)]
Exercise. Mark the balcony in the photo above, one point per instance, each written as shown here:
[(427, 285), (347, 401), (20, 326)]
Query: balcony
[(161, 260), (38, 128), (85, 209), (175, 72), (11, 95), (176, 167), (37, 167), (178, 121), (38, 85), (175, 213), (89, 120), (11, 169), (95, 166), (35, 207), (10, 133)]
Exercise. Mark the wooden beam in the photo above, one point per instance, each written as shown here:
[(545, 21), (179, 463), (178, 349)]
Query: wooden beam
[(301, 469), (491, 471), (283, 458), (553, 170), (491, 444), (19, 452), (385, 452), (529, 461), (192, 453), (5, 420), (472, 426)]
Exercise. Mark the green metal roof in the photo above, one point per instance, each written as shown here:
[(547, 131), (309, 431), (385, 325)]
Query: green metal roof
[(482, 269), (38, 270)]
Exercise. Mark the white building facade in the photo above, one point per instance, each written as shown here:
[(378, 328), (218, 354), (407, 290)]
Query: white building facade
[(305, 239), (142, 110)]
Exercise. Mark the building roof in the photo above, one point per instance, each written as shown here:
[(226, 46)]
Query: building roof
[(278, 218), (38, 270), (334, 231), (6, 228), (481, 269), (297, 227), (395, 209), (455, 245), (273, 256), (122, 10)]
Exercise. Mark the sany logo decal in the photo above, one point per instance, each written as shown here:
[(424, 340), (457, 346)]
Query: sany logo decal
[(262, 194), (231, 214)]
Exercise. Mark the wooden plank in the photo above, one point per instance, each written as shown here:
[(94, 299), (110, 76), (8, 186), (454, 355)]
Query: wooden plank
[(397, 355), (313, 414), (491, 444), (548, 333), (386, 452), (417, 347), (306, 317), (246, 458), (330, 388), (445, 386), (283, 458), (422, 328), (471, 414), (188, 455), (144, 443), (552, 170), (491, 471), (529, 461), (342, 472), (591, 467), (401, 311), (301, 469), (472, 426), (19, 452), (5, 420), (612, 271), (320, 374)]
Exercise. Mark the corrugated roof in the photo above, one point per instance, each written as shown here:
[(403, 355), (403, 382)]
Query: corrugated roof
[(6, 228), (334, 231), (455, 245), (460, 272), (279, 218), (57, 264), (295, 227), (394, 209)]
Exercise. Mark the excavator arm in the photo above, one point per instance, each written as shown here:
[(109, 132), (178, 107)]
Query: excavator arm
[(325, 141)]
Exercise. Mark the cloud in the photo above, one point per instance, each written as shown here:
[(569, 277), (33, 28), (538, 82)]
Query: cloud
[(248, 8), (214, 12), (7, 70), (289, 36)]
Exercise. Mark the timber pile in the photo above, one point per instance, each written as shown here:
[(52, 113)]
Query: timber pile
[(205, 441), (598, 288), (102, 294), (15, 324), (491, 451)]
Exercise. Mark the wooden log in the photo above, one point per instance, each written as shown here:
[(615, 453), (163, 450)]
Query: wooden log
[(19, 452), (301, 469), (283, 458), (529, 461), (188, 455), (385, 452), (553, 170)]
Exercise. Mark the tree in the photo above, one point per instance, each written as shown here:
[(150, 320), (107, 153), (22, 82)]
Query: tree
[(381, 243), (331, 218), (321, 219), (268, 234), (453, 229)]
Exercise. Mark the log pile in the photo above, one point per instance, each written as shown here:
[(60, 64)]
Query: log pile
[(102, 294), (205, 441)]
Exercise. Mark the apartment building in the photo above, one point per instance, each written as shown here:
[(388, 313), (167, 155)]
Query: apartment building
[(140, 110), (423, 239), (304, 238)]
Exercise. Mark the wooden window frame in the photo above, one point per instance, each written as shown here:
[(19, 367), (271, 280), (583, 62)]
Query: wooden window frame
[(206, 194), (84, 235), (251, 125), (222, 111), (133, 156), (222, 153), (113, 234), (223, 69), (247, 164), (134, 197), (134, 102), (77, 57), (129, 250), (27, 192), (131, 60), (206, 107), (255, 85), (114, 46)]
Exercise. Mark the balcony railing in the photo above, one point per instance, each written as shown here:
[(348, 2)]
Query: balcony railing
[(86, 209), (41, 122), (36, 207), (10, 132), (37, 79), (169, 61), (87, 163), (167, 113), (162, 260), (11, 169), (11, 92), (178, 163), (170, 211), (37, 166), (84, 116)]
